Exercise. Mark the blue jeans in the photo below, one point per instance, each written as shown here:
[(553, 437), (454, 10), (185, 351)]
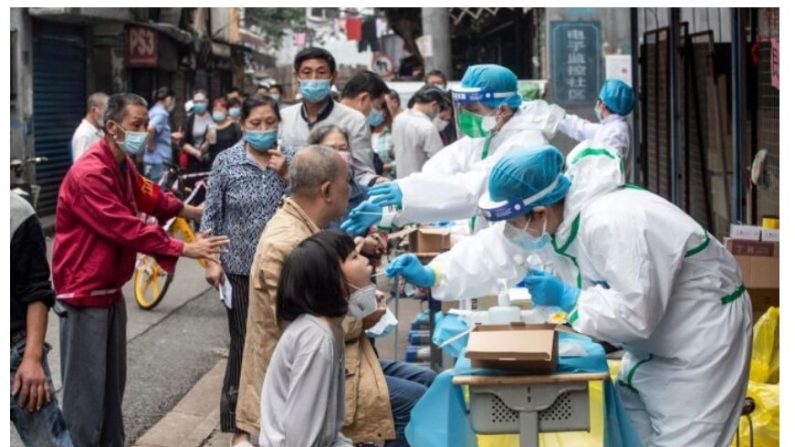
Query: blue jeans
[(45, 427), (407, 383)]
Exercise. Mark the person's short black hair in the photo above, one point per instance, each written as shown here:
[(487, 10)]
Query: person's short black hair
[(314, 53), (117, 106), (396, 96), (163, 93), (436, 73), (199, 90), (428, 94), (312, 280), (257, 100), (277, 87), (365, 81), (232, 90)]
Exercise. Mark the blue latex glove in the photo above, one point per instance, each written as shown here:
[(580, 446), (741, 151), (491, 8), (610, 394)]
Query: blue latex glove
[(386, 194), (361, 218), (548, 290), (409, 267)]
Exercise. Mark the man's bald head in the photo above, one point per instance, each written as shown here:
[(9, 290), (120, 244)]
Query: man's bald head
[(319, 180), (314, 165)]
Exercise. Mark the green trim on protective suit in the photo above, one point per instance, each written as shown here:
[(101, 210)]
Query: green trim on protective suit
[(575, 228), (591, 152), (701, 247), (483, 154), (634, 186), (734, 295), (632, 371), (574, 316)]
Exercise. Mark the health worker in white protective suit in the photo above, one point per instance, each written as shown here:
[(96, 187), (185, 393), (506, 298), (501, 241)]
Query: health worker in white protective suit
[(642, 275), (492, 121), (616, 100)]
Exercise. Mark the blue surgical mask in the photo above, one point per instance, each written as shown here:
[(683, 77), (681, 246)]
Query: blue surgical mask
[(234, 112), (133, 143), (524, 240), (199, 107), (315, 90), (261, 140), (376, 118), (219, 116), (598, 113)]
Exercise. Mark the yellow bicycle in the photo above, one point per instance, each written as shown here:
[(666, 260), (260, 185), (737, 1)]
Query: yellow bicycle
[(150, 280)]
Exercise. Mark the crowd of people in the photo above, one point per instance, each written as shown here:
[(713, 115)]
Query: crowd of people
[(297, 201)]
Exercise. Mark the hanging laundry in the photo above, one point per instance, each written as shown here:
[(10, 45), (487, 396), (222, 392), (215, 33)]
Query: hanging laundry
[(300, 39), (369, 36), (353, 27)]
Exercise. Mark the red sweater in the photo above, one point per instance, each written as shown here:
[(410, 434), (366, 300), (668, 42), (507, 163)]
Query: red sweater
[(98, 231)]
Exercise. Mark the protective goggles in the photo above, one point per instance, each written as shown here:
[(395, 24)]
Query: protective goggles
[(472, 95), (508, 209)]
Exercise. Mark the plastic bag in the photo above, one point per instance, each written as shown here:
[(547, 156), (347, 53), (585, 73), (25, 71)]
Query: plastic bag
[(764, 356), (765, 416)]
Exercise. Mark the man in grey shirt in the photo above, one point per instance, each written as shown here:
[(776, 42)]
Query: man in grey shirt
[(316, 71), (414, 135)]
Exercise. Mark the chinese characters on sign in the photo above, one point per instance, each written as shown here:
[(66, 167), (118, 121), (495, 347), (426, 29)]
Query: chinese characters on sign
[(141, 47), (576, 61)]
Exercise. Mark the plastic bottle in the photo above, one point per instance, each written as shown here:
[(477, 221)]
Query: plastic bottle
[(503, 312)]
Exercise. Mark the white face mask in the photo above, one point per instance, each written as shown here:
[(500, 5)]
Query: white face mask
[(362, 302), (440, 124), (524, 240), (489, 122)]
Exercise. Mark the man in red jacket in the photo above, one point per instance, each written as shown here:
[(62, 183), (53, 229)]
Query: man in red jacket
[(97, 235)]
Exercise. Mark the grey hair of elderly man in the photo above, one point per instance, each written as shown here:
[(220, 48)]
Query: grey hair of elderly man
[(319, 183)]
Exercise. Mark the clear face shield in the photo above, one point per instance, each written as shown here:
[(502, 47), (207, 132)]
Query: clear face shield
[(473, 117)]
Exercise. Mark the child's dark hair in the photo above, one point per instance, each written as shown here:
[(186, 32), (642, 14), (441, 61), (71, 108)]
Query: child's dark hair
[(312, 280)]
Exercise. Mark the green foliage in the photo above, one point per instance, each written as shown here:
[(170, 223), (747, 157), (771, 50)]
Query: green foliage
[(272, 22)]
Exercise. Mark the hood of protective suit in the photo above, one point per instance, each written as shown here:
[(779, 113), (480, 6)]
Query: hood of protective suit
[(536, 115), (533, 124), (594, 170)]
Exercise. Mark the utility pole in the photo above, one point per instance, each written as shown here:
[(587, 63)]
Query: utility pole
[(436, 23)]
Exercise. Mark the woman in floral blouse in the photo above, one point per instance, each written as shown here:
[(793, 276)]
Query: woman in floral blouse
[(245, 187)]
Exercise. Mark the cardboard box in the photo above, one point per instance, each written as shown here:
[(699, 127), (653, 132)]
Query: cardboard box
[(758, 262), (769, 235), (531, 348), (740, 247), (759, 272), (427, 243), (747, 232)]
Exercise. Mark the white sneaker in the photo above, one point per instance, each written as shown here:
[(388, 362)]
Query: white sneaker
[(242, 443)]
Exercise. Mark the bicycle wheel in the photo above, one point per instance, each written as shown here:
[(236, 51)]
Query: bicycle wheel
[(150, 282), (181, 229)]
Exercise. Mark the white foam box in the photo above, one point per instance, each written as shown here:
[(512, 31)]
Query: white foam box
[(746, 232)]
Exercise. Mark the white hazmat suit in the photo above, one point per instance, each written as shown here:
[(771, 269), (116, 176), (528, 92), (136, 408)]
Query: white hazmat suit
[(452, 181), (652, 281)]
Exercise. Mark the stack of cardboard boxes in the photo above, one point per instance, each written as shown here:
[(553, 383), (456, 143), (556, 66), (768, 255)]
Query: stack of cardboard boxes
[(756, 250)]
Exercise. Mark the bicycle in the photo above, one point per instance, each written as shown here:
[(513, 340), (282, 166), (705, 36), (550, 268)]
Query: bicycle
[(19, 181), (150, 281)]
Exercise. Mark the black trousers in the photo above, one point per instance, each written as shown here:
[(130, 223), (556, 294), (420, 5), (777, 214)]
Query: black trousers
[(237, 337)]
